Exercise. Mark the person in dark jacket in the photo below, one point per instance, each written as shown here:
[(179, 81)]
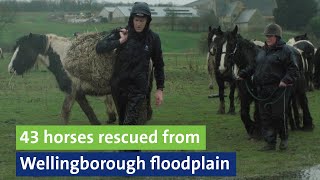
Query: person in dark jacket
[(274, 72), (135, 45)]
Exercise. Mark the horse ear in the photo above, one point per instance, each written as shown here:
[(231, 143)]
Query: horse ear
[(210, 28), (305, 35), (30, 35), (235, 30), (219, 30)]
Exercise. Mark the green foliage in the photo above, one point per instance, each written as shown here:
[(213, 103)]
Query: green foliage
[(42, 6), (295, 14), (176, 41), (315, 25)]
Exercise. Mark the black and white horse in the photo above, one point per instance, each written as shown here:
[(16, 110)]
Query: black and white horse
[(238, 56), (307, 51), (242, 52), (222, 72), (51, 51), (211, 56), (298, 38)]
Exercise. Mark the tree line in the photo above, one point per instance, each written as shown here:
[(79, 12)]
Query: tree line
[(298, 15), (52, 5)]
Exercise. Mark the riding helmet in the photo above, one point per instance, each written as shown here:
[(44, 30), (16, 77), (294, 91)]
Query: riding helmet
[(273, 29)]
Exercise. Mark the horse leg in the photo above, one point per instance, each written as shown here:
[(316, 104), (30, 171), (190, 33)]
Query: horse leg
[(220, 83), (310, 82), (66, 108), (245, 101), (111, 109), (289, 116), (210, 66), (36, 66), (307, 119), (291, 120), (316, 74), (296, 120), (86, 108), (245, 115), (231, 97)]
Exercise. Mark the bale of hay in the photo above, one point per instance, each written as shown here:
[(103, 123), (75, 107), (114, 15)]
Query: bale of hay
[(83, 63)]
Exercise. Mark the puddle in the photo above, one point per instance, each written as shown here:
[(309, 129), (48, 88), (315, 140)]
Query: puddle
[(310, 173)]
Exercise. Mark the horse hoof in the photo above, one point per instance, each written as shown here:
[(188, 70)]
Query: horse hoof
[(112, 118), (210, 86), (95, 123), (213, 96), (111, 121), (221, 112)]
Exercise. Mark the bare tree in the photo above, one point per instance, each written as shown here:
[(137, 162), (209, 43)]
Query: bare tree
[(171, 16)]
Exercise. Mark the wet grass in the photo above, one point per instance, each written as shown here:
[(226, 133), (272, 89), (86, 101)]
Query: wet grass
[(34, 99), (37, 22)]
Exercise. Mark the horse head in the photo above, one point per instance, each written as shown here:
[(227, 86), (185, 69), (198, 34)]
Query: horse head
[(50, 49), (239, 52), (214, 39), (297, 38), (26, 52), (301, 37), (226, 47)]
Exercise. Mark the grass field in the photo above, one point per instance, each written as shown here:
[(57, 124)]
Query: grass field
[(34, 99)]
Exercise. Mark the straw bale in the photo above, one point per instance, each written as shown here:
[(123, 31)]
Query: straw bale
[(83, 63)]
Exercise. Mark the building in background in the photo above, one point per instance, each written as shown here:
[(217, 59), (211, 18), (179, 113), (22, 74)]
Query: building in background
[(247, 14), (159, 14)]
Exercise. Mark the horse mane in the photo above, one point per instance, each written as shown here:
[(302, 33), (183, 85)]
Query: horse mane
[(246, 46), (246, 43)]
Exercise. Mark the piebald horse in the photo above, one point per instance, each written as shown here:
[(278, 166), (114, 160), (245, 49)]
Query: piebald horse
[(221, 71), (51, 50)]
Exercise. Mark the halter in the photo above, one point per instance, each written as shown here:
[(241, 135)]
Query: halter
[(234, 51), (211, 53)]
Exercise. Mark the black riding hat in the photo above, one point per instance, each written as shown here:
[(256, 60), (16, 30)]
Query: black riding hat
[(140, 9)]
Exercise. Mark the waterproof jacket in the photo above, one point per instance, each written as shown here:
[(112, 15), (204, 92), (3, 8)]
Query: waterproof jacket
[(272, 65), (133, 57)]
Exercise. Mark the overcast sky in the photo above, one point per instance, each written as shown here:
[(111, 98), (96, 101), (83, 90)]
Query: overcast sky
[(176, 2)]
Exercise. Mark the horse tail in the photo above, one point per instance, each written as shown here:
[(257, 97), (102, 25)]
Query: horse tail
[(316, 74)]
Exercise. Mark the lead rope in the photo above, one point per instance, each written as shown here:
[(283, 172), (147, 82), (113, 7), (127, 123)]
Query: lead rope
[(284, 113), (269, 97), (257, 98)]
